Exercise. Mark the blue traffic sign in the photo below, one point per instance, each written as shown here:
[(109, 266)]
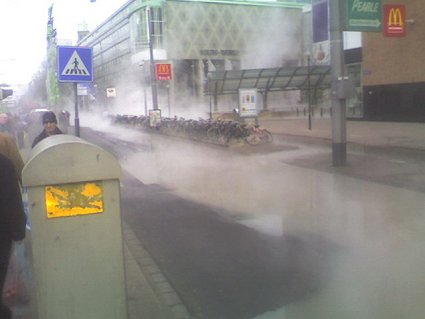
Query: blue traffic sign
[(75, 64)]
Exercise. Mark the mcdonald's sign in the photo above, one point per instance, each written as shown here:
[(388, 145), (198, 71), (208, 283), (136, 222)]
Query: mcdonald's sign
[(394, 20), (163, 71)]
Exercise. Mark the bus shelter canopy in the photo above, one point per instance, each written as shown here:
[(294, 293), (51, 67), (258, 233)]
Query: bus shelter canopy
[(267, 80)]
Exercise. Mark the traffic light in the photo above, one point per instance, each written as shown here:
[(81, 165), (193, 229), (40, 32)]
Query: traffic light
[(4, 93)]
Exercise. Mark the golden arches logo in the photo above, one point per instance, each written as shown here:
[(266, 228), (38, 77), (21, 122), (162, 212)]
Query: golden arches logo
[(164, 69), (395, 18)]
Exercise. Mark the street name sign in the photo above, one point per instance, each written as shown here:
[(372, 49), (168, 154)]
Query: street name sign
[(75, 64), (364, 16)]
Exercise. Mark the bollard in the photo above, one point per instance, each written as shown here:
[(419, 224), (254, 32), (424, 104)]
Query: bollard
[(77, 248)]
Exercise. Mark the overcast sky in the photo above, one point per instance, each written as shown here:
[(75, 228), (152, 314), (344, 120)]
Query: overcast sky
[(23, 31)]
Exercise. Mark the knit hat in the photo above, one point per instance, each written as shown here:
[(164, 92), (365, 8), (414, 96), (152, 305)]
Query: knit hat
[(49, 117)]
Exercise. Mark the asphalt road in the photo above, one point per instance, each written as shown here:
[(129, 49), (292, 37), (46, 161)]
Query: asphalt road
[(219, 267)]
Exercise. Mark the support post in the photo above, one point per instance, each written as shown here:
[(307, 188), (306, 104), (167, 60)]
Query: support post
[(339, 138), (76, 119)]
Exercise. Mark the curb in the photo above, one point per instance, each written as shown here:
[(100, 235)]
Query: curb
[(167, 303)]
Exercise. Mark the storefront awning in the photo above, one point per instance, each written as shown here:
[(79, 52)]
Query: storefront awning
[(269, 80)]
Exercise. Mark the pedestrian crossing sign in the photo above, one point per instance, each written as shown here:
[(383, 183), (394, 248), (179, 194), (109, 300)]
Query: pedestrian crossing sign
[(75, 64)]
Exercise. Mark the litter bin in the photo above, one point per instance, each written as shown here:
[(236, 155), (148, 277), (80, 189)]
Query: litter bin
[(77, 250)]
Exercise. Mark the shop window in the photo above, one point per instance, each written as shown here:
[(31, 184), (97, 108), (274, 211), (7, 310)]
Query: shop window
[(355, 103)]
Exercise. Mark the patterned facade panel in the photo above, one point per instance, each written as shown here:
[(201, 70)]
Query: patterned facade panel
[(198, 30)]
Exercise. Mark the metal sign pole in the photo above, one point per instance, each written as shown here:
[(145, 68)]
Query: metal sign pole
[(339, 139), (77, 119), (152, 62)]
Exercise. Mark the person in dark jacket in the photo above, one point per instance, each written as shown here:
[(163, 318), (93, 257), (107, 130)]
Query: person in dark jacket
[(13, 220), (50, 127)]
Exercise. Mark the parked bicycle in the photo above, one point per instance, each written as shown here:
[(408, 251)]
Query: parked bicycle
[(258, 135), (223, 132)]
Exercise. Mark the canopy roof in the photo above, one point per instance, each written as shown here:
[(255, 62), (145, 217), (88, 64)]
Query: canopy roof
[(266, 80)]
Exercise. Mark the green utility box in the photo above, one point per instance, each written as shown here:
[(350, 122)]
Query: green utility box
[(77, 247)]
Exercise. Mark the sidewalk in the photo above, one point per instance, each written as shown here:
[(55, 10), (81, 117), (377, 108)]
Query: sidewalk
[(380, 134), (148, 293)]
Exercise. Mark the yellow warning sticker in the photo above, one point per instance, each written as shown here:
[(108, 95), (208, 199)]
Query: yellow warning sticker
[(74, 199)]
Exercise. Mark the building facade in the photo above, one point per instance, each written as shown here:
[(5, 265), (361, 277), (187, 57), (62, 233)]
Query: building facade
[(387, 69), (194, 37), (393, 69), (197, 37)]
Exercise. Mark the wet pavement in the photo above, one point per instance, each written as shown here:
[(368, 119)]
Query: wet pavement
[(360, 225), (361, 133)]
